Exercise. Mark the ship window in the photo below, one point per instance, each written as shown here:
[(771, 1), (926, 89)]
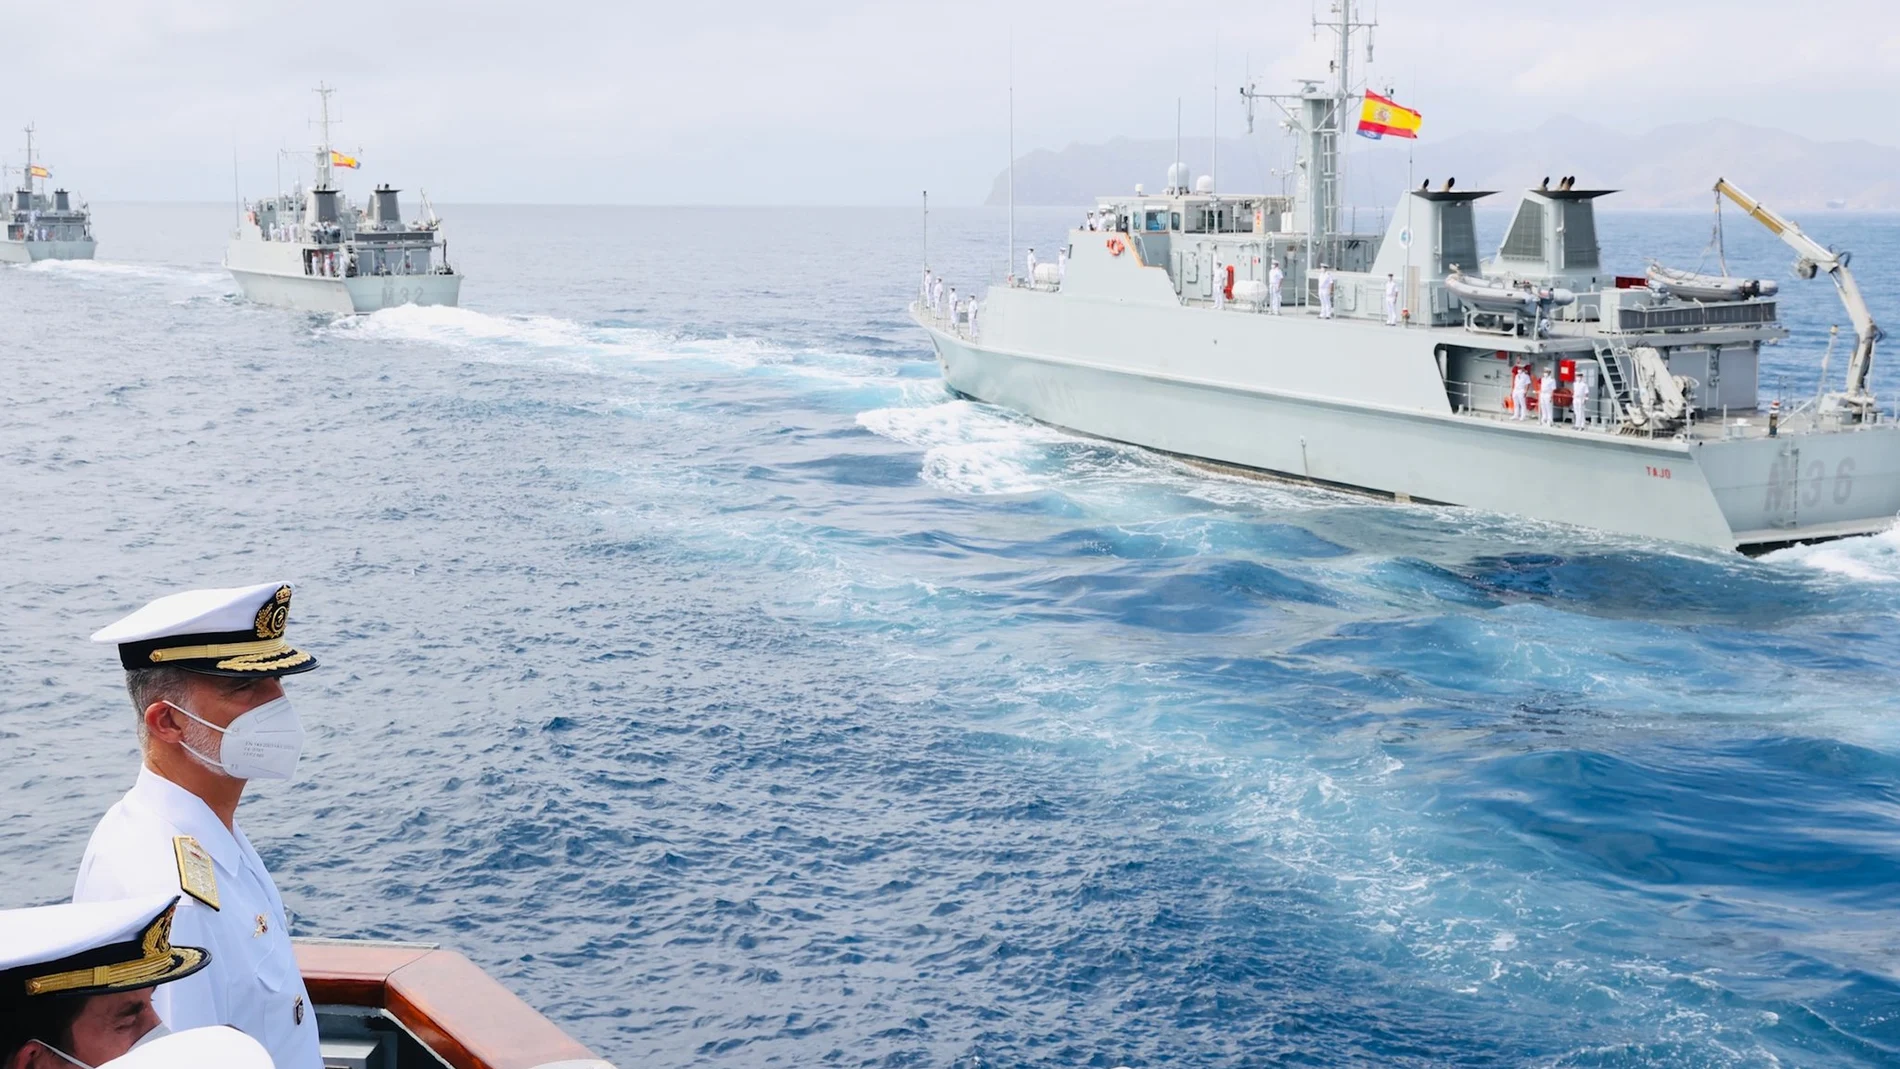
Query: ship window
[(1580, 234), (1157, 220), (1526, 239)]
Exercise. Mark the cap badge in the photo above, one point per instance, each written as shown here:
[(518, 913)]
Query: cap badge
[(275, 615)]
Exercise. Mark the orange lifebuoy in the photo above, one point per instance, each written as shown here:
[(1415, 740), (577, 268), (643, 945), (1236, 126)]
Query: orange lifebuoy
[(1115, 246), (1227, 291)]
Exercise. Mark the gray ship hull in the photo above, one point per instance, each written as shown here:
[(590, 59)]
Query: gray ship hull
[(1198, 394), (347, 296), (26, 252)]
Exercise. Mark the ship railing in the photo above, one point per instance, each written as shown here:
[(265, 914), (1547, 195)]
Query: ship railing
[(1491, 401), (942, 318)]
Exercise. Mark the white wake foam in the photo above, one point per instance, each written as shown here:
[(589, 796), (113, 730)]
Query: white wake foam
[(969, 448), (177, 274), (1868, 558), (598, 348)]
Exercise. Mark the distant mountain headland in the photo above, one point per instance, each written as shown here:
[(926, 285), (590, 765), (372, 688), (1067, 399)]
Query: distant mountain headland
[(1670, 167)]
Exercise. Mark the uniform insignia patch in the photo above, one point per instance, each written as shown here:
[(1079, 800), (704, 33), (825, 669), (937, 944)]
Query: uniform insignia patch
[(197, 876)]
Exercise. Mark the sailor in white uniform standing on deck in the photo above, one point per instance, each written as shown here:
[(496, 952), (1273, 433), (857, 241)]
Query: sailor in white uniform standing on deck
[(1325, 292), (1030, 261), (1579, 401), (1546, 396), (1520, 389), (1275, 277), (1391, 301), (203, 670)]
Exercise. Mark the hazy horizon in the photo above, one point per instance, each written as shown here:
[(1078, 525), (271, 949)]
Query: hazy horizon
[(849, 103)]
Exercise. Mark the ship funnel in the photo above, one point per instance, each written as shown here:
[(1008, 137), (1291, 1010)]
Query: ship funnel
[(61, 202), (23, 200), (385, 208), (1553, 236), (325, 202), (1432, 231)]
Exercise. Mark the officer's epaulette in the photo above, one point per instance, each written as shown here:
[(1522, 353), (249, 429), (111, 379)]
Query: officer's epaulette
[(197, 876)]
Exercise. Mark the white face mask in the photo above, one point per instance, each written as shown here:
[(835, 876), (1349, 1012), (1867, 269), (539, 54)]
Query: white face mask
[(263, 743), (158, 1031)]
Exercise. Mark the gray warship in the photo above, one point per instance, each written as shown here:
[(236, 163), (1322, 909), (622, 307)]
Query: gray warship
[(41, 226), (1161, 331), (314, 250)]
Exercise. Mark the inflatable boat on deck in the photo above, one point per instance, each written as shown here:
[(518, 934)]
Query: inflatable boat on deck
[(1689, 286)]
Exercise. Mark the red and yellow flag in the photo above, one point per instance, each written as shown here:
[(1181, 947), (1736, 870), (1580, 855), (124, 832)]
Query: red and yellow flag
[(39, 172), (1380, 116), (337, 159)]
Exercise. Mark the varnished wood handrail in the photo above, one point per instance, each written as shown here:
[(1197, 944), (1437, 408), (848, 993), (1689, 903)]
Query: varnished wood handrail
[(443, 999)]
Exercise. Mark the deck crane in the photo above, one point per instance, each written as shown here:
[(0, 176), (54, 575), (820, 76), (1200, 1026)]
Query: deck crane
[(1812, 258)]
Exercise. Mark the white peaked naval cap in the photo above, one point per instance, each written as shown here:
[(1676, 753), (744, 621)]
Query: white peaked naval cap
[(216, 1047), (228, 631), (90, 948)]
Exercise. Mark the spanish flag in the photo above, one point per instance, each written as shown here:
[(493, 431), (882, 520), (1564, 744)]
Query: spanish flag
[(337, 159), (1379, 117), (39, 172)]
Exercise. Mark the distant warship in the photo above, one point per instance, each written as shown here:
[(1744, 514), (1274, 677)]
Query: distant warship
[(1401, 362), (39, 227), (314, 250)]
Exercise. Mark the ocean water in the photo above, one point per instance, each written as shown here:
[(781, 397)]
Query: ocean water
[(701, 668)]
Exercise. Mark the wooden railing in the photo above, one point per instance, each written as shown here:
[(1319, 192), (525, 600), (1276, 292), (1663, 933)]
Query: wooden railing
[(448, 1003)]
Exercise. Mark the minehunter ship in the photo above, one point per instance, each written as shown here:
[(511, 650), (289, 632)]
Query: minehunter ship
[(1161, 333), (43, 227), (314, 250)]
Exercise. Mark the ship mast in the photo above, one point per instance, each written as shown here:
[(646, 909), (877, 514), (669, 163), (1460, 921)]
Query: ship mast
[(26, 173), (324, 174), (1317, 117)]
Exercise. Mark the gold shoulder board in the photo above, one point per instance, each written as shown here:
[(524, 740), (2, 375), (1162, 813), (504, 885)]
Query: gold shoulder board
[(197, 876)]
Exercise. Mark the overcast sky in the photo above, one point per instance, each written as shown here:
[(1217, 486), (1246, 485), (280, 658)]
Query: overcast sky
[(779, 101)]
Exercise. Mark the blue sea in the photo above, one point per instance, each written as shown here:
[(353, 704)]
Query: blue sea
[(700, 667)]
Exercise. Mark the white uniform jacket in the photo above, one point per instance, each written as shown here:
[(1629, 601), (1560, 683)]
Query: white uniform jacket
[(252, 983)]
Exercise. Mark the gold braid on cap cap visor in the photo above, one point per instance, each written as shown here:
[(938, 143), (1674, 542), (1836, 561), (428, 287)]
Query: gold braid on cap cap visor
[(261, 656), (158, 961)]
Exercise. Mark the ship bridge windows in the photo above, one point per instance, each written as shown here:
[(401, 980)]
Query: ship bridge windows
[(1222, 217)]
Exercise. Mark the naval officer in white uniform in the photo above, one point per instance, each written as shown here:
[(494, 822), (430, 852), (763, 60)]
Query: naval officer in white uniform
[(1275, 278), (203, 669), (76, 981)]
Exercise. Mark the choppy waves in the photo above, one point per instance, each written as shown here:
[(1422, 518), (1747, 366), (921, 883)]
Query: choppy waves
[(741, 697)]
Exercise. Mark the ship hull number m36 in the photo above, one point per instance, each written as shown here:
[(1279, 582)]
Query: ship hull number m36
[(1789, 483)]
